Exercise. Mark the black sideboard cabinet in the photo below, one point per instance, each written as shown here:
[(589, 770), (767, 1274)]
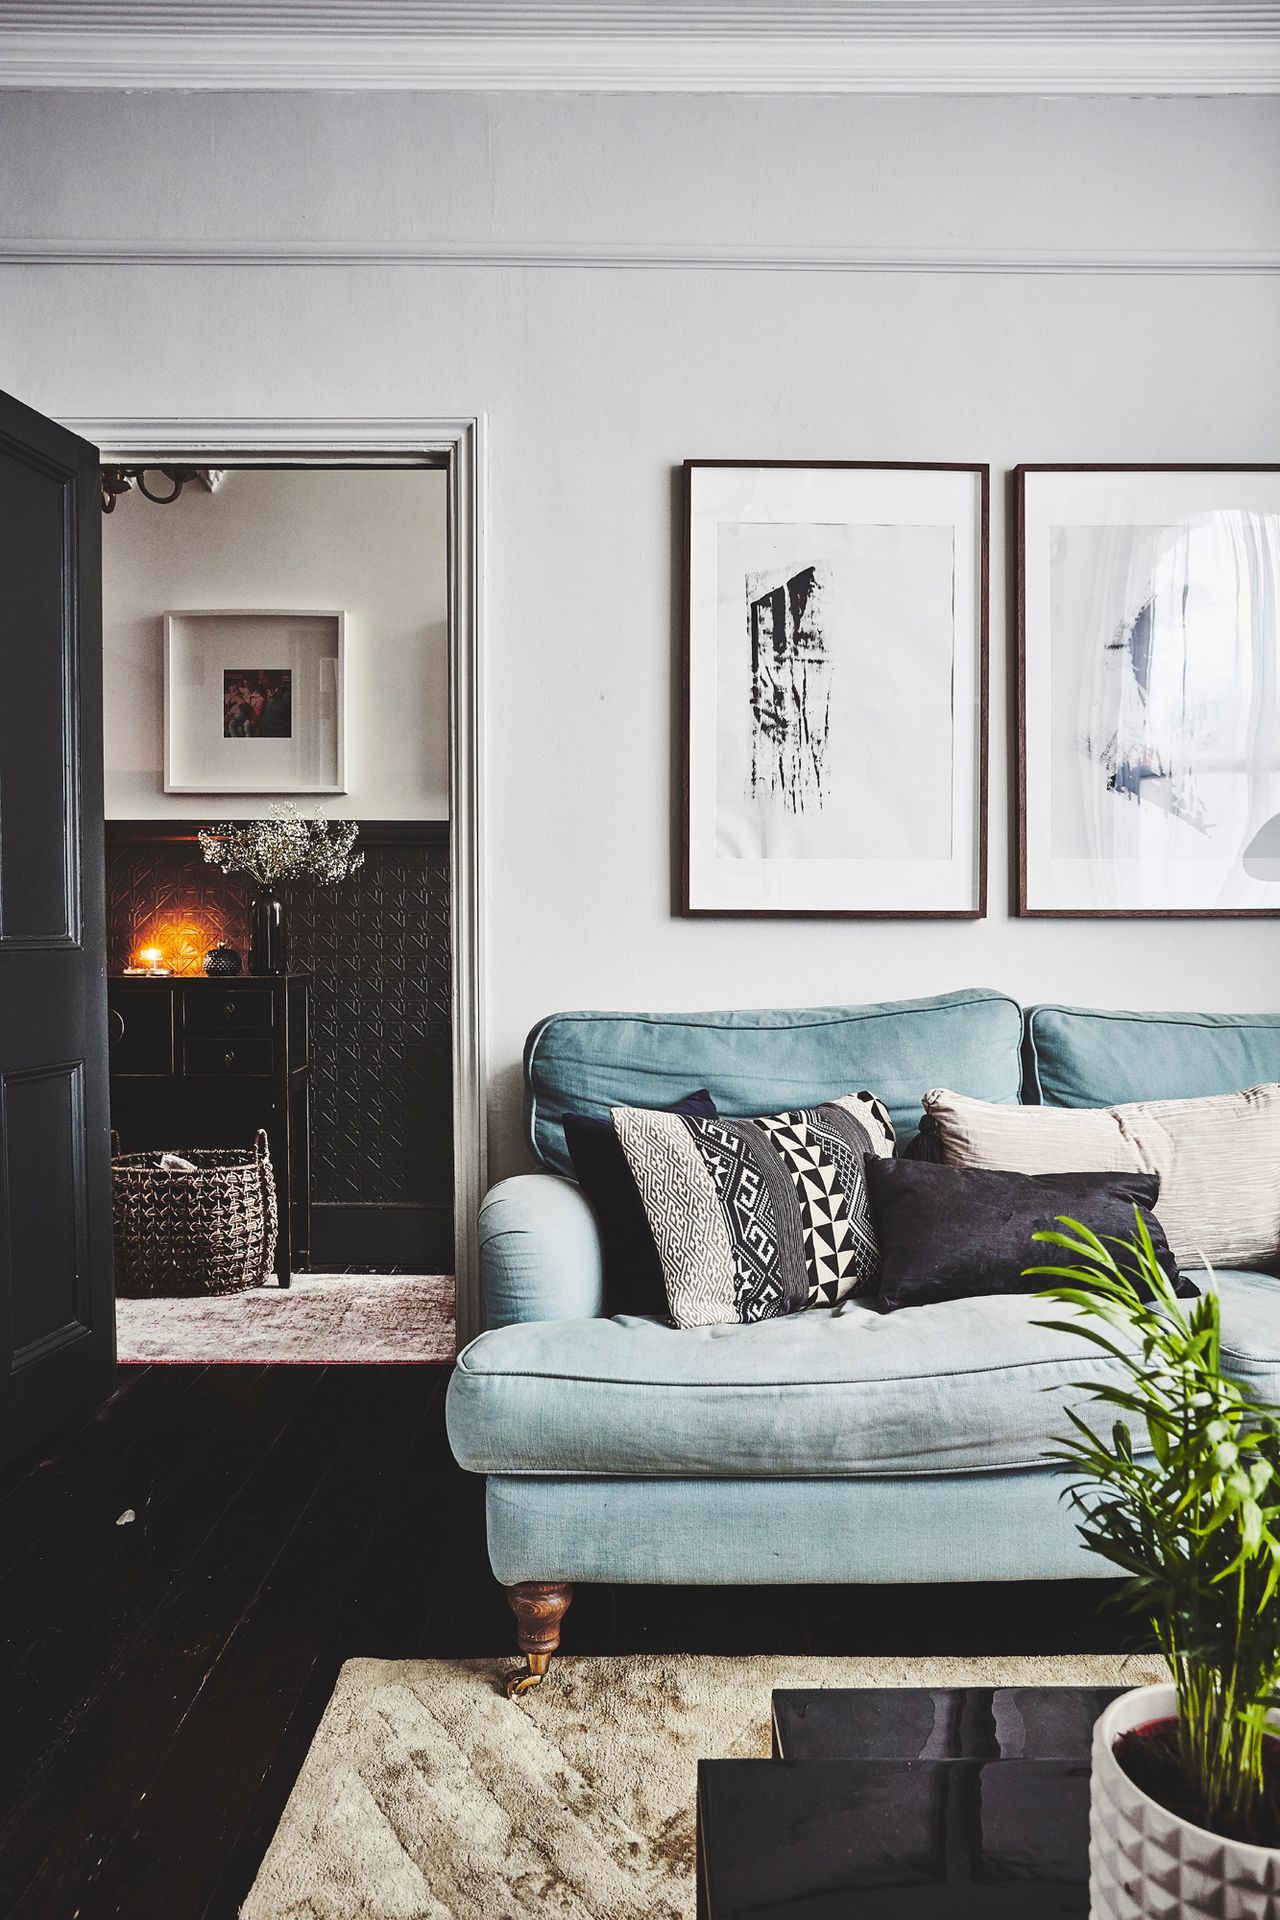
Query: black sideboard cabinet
[(205, 1063)]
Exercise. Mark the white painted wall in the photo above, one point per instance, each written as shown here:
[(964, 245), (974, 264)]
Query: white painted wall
[(597, 383), (373, 543)]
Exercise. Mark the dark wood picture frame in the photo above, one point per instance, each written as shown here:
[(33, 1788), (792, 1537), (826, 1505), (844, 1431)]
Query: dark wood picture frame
[(1020, 472), (982, 470)]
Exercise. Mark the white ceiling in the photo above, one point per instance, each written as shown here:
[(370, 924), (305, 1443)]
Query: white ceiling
[(1092, 46)]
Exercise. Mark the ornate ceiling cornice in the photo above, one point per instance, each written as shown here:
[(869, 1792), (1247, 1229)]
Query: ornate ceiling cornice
[(663, 46)]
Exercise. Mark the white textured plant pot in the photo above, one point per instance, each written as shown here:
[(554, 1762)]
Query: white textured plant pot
[(1146, 1863)]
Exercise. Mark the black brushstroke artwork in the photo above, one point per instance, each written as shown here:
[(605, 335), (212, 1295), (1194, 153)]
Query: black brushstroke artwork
[(790, 689)]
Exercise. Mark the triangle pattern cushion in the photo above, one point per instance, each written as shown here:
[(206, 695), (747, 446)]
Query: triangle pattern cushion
[(762, 1217)]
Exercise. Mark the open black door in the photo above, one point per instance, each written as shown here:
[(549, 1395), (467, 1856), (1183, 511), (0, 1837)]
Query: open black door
[(57, 1317)]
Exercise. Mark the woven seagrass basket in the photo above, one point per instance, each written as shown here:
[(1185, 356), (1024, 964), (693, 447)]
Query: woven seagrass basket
[(210, 1231)]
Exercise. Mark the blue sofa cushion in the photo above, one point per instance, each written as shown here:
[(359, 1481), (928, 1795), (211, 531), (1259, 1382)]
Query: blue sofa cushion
[(975, 1526), (967, 1386), (761, 1062), (1089, 1057)]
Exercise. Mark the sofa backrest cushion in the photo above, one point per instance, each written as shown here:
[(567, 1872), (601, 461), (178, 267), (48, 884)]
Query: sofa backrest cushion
[(1090, 1057), (760, 1062)]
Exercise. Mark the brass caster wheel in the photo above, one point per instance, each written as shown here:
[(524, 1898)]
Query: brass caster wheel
[(519, 1683)]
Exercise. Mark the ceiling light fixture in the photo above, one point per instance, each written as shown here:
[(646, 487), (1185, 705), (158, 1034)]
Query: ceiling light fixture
[(120, 480)]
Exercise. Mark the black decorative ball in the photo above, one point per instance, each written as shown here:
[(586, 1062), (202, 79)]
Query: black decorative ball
[(220, 961)]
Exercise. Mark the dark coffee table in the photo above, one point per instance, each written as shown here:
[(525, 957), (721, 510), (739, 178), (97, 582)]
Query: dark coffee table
[(966, 1803)]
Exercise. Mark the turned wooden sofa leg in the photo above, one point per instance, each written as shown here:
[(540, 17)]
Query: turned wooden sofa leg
[(539, 1606)]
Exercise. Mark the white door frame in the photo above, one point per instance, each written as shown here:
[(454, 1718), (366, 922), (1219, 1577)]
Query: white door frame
[(461, 442)]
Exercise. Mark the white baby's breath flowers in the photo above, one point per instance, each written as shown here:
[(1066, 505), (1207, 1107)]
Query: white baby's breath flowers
[(287, 846)]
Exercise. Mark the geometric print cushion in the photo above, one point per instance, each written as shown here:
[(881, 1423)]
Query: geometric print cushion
[(757, 1218)]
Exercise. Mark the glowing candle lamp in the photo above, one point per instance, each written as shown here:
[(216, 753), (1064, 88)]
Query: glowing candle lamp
[(153, 958)]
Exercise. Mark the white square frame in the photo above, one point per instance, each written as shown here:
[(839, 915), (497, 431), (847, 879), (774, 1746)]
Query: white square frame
[(176, 621)]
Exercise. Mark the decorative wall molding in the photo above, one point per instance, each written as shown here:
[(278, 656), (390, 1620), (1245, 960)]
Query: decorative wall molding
[(460, 443), (608, 256), (1093, 61)]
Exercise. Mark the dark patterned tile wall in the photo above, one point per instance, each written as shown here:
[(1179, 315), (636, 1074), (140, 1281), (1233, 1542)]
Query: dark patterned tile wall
[(378, 949), (161, 894)]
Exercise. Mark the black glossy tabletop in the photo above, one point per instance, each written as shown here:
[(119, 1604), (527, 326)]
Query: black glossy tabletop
[(959, 1803)]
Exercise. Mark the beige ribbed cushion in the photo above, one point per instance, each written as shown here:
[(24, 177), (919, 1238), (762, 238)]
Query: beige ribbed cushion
[(1218, 1160)]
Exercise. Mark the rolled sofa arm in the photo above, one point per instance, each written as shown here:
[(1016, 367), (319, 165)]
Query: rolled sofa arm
[(540, 1255)]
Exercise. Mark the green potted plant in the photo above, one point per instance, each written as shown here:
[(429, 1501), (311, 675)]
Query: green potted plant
[(1183, 1496)]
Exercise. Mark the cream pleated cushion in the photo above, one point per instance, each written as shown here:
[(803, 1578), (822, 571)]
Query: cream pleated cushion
[(1218, 1160)]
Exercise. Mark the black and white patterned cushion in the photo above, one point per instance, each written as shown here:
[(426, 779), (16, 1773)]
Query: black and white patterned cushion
[(756, 1218)]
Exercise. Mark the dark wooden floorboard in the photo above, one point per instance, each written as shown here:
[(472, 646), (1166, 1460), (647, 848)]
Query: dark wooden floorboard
[(17, 1471), (93, 1584), (165, 1683), (382, 1617), (196, 1806), (100, 1763), (36, 1492)]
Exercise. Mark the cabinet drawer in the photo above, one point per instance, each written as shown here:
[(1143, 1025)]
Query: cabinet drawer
[(140, 1023), (227, 1010), (224, 1055)]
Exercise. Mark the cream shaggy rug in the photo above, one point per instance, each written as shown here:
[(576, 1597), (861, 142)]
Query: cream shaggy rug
[(428, 1795), (323, 1319)]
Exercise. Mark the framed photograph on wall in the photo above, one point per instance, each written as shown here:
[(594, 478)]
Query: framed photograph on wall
[(254, 702), (835, 688), (1149, 690)]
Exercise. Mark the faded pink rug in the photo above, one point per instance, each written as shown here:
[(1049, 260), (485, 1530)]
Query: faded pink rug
[(323, 1319)]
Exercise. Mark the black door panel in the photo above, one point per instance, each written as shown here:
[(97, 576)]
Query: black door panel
[(57, 1323)]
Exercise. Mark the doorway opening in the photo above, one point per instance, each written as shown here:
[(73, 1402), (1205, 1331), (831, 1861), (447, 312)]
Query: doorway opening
[(278, 634)]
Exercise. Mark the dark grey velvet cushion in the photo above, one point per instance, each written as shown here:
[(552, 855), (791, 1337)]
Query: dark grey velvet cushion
[(946, 1233), (633, 1280)]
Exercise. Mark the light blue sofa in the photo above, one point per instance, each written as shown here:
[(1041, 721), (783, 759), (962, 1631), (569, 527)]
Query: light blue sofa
[(843, 1444)]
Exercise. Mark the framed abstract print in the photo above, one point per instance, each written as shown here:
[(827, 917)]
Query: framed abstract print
[(835, 689), (1149, 690)]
